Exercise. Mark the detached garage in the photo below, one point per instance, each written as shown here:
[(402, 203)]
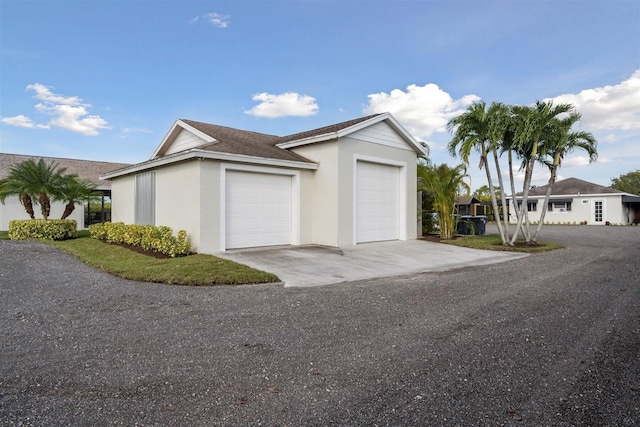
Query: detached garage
[(344, 184)]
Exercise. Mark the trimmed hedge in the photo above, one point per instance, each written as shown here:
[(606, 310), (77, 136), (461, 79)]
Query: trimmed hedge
[(149, 237), (50, 229)]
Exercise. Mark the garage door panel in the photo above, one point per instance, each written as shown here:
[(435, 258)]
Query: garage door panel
[(258, 209), (377, 202)]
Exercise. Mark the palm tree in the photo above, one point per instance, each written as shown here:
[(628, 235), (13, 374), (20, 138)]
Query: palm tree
[(14, 185), (442, 182), (30, 181), (560, 142), (530, 126), (480, 129), (73, 191)]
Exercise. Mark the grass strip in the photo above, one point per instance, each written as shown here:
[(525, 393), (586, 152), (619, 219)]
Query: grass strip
[(193, 270), (493, 242)]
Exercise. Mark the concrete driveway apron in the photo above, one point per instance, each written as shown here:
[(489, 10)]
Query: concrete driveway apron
[(301, 266)]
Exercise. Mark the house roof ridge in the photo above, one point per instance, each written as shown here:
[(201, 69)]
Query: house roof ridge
[(323, 130)]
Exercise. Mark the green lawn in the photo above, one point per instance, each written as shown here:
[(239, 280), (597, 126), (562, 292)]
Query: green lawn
[(4, 235), (195, 270), (494, 243)]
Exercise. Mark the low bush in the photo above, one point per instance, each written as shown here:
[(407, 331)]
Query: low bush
[(51, 229), (149, 237)]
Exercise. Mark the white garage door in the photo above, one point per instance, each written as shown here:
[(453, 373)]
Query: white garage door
[(377, 202), (257, 209)]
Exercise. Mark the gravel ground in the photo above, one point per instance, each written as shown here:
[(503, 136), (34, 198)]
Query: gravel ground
[(549, 340)]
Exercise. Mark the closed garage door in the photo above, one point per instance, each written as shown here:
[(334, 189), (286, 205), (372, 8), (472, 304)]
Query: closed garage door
[(257, 209), (377, 202)]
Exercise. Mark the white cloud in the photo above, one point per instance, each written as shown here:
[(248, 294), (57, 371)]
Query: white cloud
[(44, 93), (608, 107), (423, 110), (215, 19), (19, 121), (285, 104), (68, 113)]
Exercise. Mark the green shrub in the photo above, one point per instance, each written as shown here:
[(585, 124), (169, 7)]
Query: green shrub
[(51, 229), (149, 237)]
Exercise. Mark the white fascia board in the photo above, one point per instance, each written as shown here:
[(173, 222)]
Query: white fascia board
[(306, 141), (212, 155), (178, 125)]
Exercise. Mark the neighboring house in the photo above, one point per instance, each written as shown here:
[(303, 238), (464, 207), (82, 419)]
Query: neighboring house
[(469, 205), (85, 169), (574, 201), (348, 183)]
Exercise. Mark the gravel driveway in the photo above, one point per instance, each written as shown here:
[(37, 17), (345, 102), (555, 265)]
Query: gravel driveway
[(551, 339)]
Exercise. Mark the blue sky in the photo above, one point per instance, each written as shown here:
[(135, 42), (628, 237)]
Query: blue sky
[(105, 80)]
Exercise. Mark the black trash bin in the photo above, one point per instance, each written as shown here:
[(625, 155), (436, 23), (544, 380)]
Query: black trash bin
[(468, 225), (479, 224), (464, 225)]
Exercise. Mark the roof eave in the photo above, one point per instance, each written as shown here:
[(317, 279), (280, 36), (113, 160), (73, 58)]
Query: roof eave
[(195, 153)]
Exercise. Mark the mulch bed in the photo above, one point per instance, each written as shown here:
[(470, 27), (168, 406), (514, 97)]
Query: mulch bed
[(139, 250)]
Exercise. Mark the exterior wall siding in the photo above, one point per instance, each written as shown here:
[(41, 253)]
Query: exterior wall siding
[(320, 189), (582, 208), (178, 199), (123, 199), (13, 209), (184, 141)]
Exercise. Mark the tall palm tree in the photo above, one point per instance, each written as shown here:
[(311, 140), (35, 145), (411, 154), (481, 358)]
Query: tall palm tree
[(73, 191), (530, 126), (33, 182), (442, 182), (560, 141), (480, 129)]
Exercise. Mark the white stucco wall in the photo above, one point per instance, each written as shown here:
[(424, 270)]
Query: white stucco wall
[(13, 209), (123, 199), (582, 209), (333, 183), (178, 199), (320, 189)]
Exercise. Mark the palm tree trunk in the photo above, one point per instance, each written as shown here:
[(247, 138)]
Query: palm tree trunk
[(45, 205), (514, 202), (547, 195), (525, 196), (505, 217), (494, 204), (28, 205), (68, 210)]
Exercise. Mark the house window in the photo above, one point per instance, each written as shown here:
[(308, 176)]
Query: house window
[(145, 199), (531, 207), (560, 206)]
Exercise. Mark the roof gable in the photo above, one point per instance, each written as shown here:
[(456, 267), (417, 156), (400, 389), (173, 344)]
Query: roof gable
[(350, 127), (189, 134)]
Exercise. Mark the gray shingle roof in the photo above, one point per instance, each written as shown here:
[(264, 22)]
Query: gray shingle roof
[(236, 141), (325, 129), (572, 186), (86, 169)]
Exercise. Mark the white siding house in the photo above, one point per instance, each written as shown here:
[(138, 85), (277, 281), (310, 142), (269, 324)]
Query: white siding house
[(576, 201)]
